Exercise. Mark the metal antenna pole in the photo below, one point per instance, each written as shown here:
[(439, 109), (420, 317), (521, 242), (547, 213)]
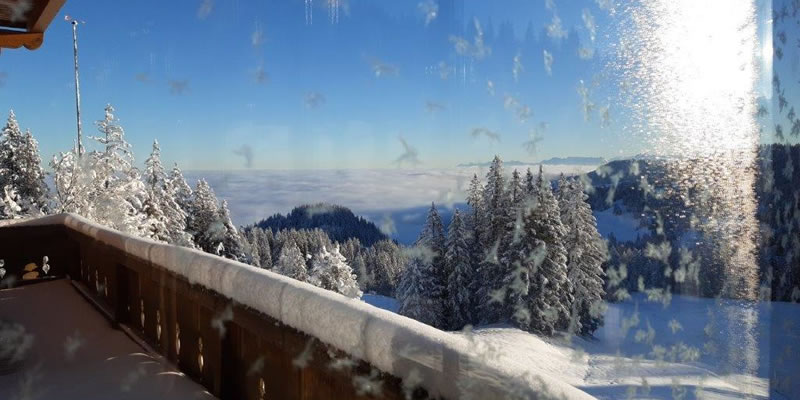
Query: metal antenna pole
[(77, 81)]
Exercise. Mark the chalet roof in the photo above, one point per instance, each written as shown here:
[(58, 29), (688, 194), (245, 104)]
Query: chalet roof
[(23, 22)]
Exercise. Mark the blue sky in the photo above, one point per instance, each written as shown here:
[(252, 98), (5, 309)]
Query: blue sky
[(208, 77)]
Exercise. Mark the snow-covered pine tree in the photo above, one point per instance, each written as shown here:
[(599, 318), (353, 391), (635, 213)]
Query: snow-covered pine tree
[(360, 269), (517, 259), (21, 169), (232, 240), (563, 191), (181, 190), (113, 192), (550, 295), (521, 261), (432, 237), (167, 218), (497, 208), (586, 254), (530, 183), (155, 220), (496, 202), (418, 292), (462, 278), (330, 271), (206, 227), (475, 226), (72, 187), (474, 222), (250, 246), (385, 263), (9, 208), (291, 262), (262, 238), (516, 191)]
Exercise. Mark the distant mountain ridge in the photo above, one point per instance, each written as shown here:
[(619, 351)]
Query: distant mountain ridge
[(575, 161), (488, 163), (549, 161), (338, 222)]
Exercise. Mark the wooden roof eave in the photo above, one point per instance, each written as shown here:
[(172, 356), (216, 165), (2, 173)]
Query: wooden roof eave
[(30, 32), (17, 39)]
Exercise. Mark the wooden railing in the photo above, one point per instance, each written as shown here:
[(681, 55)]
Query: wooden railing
[(257, 345)]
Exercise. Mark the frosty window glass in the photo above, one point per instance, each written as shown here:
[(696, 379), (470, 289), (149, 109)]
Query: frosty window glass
[(599, 198)]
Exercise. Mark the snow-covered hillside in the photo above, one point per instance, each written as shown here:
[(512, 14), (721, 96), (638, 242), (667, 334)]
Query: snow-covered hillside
[(690, 348), (625, 226)]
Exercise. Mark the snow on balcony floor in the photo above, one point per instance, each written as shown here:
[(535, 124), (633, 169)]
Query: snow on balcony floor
[(76, 354)]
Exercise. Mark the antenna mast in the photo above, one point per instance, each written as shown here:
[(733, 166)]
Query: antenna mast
[(75, 23)]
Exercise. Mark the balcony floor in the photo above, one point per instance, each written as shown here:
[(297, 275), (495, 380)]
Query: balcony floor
[(76, 354)]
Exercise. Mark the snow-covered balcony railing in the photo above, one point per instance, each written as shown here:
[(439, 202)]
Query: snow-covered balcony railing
[(244, 332)]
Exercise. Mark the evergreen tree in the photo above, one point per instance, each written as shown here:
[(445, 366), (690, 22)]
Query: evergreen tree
[(497, 205), (433, 239), (264, 247), (330, 271), (360, 269), (419, 293), (462, 278), (206, 227), (103, 185), (521, 281), (120, 191), (155, 221), (518, 258), (231, 241), (251, 248), (586, 254), (385, 262), (291, 262), (475, 224), (516, 192), (73, 186), (166, 218), (181, 191), (10, 208), (550, 295), (530, 183), (21, 170)]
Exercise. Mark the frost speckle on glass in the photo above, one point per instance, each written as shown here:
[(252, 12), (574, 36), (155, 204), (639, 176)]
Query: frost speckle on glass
[(638, 237)]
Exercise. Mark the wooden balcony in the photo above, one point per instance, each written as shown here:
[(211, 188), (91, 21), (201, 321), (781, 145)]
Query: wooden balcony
[(238, 331)]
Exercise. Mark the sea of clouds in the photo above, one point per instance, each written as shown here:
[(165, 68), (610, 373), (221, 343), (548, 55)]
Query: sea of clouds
[(395, 199)]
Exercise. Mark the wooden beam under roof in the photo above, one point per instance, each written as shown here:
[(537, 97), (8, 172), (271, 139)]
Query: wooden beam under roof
[(17, 39)]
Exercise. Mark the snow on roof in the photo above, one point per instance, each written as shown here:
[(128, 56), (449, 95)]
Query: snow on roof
[(445, 364)]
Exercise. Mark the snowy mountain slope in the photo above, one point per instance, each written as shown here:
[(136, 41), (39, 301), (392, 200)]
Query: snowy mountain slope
[(691, 348), (625, 226)]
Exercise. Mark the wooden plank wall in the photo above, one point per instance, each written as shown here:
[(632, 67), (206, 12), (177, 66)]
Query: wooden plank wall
[(232, 350)]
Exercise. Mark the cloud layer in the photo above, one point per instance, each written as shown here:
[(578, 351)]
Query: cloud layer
[(256, 194)]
